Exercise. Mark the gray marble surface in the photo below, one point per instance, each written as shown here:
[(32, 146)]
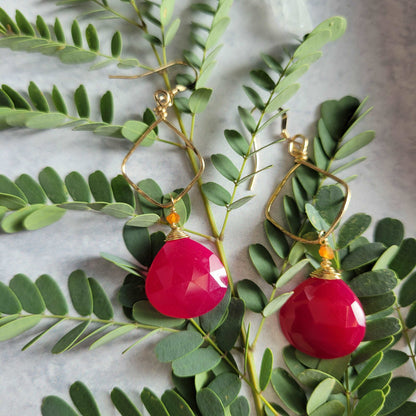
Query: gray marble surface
[(376, 57)]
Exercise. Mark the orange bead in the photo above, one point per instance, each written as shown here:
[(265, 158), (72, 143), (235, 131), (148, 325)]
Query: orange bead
[(326, 252), (173, 218)]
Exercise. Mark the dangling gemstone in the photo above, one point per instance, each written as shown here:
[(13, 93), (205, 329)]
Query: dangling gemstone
[(173, 218), (326, 252), (323, 318), (185, 279)]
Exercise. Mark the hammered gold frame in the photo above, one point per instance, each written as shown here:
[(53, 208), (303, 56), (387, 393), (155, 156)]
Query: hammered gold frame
[(299, 151), (164, 100)]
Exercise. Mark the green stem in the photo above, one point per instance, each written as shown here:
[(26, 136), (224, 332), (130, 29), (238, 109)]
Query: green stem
[(253, 138), (136, 9), (148, 335), (273, 410), (96, 320), (191, 156), (143, 26), (252, 381), (97, 53), (263, 319), (192, 160), (119, 15), (206, 236), (164, 52), (337, 260), (191, 135), (206, 203), (405, 332), (221, 252), (233, 194), (169, 142), (216, 347), (348, 393), (207, 206), (252, 373), (266, 146), (258, 398), (210, 216)]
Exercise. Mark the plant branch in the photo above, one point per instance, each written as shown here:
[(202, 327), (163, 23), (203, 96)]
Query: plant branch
[(251, 369), (206, 236), (251, 144), (405, 331), (95, 320), (252, 381), (143, 26), (216, 347), (119, 15), (265, 146), (348, 393), (60, 46), (263, 319)]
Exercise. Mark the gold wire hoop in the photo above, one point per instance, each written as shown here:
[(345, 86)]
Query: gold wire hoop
[(164, 100), (298, 149)]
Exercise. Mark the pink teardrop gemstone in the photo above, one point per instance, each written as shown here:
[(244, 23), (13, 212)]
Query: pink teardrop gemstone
[(185, 279), (323, 318)]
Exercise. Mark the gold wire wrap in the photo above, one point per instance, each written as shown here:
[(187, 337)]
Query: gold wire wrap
[(176, 234), (298, 149), (164, 100), (326, 271)]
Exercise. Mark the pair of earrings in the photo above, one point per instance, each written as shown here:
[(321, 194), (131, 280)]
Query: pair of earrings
[(323, 317)]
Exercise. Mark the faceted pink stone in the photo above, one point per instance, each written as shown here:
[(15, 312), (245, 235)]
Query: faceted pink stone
[(323, 318), (185, 279)]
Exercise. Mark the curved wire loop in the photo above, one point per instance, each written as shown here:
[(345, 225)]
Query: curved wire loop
[(156, 71), (298, 150), (164, 100)]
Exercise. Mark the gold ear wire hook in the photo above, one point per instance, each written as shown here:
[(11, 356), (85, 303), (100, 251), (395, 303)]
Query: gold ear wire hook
[(284, 121), (156, 71), (298, 149), (164, 100)]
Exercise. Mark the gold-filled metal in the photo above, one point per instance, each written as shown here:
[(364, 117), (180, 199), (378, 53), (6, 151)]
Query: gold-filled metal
[(326, 271), (297, 148), (164, 100), (156, 71)]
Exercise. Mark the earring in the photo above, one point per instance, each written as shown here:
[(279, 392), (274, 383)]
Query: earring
[(185, 279), (323, 318)]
